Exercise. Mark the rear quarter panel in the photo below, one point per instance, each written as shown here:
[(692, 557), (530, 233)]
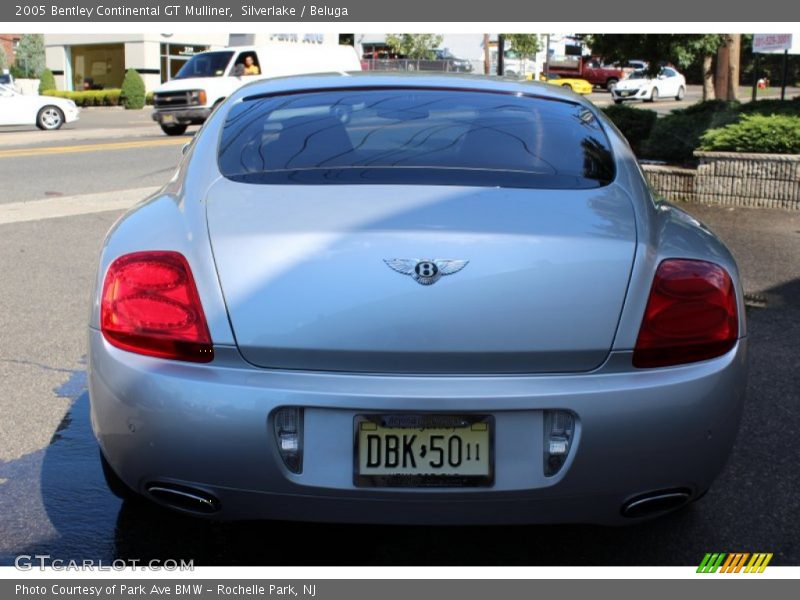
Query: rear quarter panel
[(663, 231)]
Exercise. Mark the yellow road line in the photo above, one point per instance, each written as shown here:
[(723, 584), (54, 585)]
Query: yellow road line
[(171, 141)]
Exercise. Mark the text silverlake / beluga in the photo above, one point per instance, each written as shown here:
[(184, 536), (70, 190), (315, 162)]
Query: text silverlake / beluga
[(196, 10)]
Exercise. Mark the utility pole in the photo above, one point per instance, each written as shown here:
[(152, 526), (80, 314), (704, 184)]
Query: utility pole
[(487, 55), (501, 54), (547, 57), (785, 74)]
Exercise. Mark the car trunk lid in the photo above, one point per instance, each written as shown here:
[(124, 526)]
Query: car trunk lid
[(304, 273)]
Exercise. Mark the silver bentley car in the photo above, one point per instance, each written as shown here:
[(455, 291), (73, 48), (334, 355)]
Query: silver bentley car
[(414, 299)]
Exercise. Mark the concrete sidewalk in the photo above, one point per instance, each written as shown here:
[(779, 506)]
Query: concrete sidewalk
[(72, 133)]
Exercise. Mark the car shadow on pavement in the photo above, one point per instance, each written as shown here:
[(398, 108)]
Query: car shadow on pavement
[(752, 507)]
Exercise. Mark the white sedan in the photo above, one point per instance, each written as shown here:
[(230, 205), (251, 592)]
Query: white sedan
[(45, 112), (641, 86)]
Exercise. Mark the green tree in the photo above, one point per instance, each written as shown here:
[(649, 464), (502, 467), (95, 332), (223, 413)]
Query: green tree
[(47, 81), (414, 45), (30, 55), (524, 44), (133, 90), (3, 59), (679, 49)]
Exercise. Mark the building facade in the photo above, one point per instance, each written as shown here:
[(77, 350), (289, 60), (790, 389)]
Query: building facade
[(99, 61)]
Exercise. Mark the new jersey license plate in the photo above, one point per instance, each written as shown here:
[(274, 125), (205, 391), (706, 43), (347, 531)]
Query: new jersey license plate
[(423, 450)]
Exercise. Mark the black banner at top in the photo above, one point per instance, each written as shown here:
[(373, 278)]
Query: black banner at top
[(388, 11)]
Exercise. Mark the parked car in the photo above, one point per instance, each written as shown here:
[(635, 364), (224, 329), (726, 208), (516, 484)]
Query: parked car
[(414, 299), (45, 112), (453, 63), (641, 86), (580, 86), (589, 68), (209, 77)]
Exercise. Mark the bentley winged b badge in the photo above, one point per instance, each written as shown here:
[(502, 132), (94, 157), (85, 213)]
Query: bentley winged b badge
[(426, 271)]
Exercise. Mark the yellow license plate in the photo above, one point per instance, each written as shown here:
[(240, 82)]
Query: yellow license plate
[(167, 119), (423, 450)]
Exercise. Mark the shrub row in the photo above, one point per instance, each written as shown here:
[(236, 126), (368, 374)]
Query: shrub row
[(776, 134), (635, 124), (89, 97), (110, 97), (675, 137), (131, 95)]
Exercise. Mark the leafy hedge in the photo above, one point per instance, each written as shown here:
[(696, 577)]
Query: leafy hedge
[(110, 97), (675, 137), (778, 134), (635, 124)]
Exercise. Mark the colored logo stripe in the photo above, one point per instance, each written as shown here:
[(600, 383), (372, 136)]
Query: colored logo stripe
[(711, 562), (734, 562), (758, 563)]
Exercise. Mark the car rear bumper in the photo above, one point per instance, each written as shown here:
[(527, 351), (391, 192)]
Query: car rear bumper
[(206, 427), (182, 116)]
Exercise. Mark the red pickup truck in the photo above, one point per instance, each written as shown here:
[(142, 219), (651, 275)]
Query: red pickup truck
[(590, 69)]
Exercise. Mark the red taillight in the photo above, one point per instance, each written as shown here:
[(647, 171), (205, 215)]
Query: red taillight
[(150, 306), (691, 315)]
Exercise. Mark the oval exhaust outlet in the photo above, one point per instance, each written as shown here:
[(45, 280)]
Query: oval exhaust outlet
[(654, 503), (184, 498)]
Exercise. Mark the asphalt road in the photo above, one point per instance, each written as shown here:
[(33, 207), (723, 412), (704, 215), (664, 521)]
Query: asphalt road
[(52, 497)]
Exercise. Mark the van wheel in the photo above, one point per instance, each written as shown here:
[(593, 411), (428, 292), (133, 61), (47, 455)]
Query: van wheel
[(174, 129)]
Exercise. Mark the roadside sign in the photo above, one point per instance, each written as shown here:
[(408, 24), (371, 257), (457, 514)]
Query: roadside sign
[(772, 42)]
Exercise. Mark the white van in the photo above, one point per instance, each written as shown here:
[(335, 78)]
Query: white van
[(209, 77)]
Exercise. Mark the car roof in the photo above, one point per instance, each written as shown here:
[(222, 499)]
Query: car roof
[(300, 83)]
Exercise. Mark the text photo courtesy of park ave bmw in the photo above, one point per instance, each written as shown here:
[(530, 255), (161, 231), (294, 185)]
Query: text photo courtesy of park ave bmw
[(291, 286)]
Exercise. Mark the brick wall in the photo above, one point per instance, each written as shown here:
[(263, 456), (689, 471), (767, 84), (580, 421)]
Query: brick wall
[(733, 179), (7, 41)]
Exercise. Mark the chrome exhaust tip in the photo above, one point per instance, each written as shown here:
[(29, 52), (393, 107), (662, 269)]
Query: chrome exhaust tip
[(654, 503), (184, 498)]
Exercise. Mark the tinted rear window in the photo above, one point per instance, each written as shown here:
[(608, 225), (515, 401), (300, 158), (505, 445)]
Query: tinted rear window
[(414, 136)]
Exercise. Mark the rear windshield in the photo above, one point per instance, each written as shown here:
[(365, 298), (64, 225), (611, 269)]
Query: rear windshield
[(207, 64), (414, 136)]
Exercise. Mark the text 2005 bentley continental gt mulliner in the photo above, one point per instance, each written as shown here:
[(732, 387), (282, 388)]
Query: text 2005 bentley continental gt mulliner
[(414, 299)]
